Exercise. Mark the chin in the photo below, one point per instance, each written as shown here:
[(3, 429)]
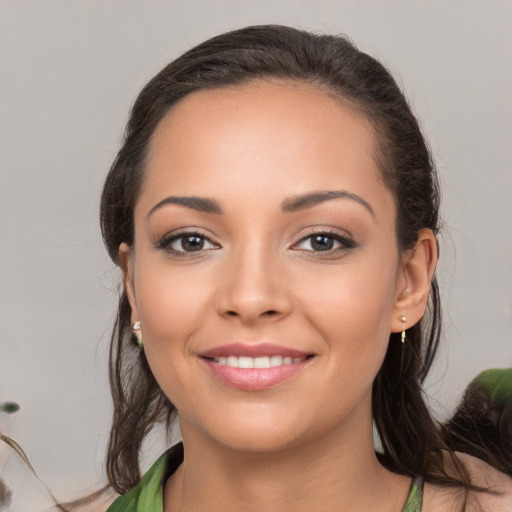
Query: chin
[(250, 430), (259, 441)]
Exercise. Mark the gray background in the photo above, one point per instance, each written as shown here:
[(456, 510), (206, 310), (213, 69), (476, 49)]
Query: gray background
[(69, 71)]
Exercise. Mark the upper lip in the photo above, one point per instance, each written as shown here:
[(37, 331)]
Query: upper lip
[(252, 350)]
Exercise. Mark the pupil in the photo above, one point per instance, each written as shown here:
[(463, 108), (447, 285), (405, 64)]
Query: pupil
[(192, 243), (322, 243)]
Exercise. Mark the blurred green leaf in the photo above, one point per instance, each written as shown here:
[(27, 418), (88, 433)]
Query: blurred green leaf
[(10, 407)]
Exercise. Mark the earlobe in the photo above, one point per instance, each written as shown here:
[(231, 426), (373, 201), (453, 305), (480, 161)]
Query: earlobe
[(126, 263), (414, 281)]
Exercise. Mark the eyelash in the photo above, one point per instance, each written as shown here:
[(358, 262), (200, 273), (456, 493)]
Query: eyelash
[(345, 242), (166, 241)]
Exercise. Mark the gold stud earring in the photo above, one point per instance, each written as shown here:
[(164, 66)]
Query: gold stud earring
[(403, 319), (137, 333)]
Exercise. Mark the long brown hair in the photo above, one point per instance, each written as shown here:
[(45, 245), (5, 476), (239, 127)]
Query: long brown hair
[(412, 443)]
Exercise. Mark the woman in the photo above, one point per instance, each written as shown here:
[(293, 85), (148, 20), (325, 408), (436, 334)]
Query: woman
[(274, 211)]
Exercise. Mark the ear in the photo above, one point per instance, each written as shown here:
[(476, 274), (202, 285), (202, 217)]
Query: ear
[(126, 263), (413, 282)]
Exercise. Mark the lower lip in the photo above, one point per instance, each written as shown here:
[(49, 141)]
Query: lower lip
[(255, 379)]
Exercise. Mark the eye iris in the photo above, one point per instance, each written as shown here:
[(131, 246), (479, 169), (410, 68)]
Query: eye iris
[(192, 243), (322, 243)]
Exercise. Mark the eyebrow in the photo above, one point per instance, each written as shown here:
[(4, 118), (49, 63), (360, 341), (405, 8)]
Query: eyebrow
[(290, 205), (200, 204), (304, 201)]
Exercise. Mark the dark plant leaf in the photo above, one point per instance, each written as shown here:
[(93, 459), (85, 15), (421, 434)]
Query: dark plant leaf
[(10, 407)]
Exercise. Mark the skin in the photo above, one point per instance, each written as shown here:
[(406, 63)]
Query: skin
[(443, 499), (259, 279)]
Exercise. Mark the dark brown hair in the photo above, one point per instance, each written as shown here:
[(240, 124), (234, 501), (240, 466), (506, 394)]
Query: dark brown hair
[(410, 438), (482, 423)]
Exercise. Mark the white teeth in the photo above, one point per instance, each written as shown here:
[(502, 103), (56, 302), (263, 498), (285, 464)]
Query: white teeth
[(276, 361), (245, 362), (257, 362), (232, 361), (262, 362)]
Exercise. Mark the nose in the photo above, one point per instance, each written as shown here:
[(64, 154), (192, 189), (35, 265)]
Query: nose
[(253, 288)]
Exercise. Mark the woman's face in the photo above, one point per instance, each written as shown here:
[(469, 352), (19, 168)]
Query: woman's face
[(265, 236)]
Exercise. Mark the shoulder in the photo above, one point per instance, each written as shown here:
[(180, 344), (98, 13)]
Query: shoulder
[(498, 499)]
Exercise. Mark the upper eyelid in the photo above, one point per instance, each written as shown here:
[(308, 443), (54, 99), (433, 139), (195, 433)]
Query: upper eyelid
[(327, 231), (168, 238), (331, 231), (176, 233), (343, 239)]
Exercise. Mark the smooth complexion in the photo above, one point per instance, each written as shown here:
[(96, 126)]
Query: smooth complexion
[(263, 218)]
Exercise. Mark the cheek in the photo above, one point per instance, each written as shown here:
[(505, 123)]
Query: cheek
[(171, 307), (351, 310), (170, 303)]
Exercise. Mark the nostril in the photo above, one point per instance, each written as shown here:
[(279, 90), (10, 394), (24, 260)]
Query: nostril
[(270, 312)]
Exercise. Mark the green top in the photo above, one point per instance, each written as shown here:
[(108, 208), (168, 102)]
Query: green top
[(147, 496)]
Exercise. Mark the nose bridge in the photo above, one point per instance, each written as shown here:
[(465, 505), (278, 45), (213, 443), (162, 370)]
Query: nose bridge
[(253, 287)]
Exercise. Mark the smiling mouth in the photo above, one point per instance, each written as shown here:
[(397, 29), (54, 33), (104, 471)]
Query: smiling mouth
[(258, 362), (256, 373), (255, 366)]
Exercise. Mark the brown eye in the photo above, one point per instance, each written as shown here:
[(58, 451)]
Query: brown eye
[(322, 243), (185, 243), (325, 242), (191, 243)]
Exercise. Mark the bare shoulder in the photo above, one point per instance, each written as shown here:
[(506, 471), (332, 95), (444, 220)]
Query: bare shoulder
[(499, 499), (497, 482)]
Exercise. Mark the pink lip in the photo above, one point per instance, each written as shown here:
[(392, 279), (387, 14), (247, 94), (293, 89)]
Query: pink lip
[(252, 350), (253, 379)]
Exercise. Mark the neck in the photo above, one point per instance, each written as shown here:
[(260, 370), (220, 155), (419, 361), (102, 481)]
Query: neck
[(337, 472)]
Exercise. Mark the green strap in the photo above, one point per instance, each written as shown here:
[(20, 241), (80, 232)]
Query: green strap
[(414, 501), (147, 495)]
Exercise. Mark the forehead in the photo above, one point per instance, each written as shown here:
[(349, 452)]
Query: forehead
[(262, 137)]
